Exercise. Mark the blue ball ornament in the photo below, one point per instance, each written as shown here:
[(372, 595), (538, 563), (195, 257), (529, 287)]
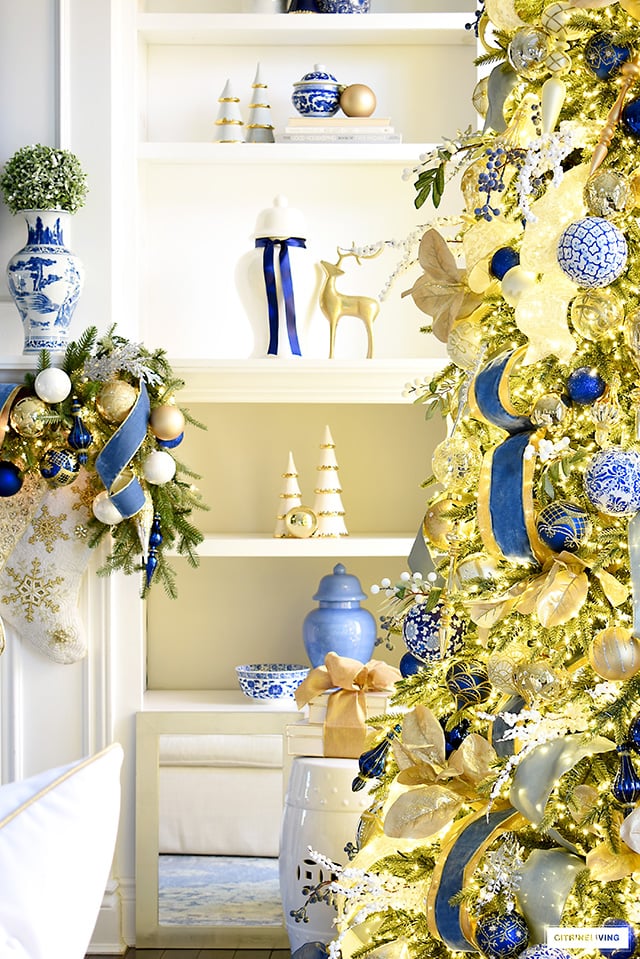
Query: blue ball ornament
[(612, 481), (634, 734), (10, 478), (469, 683), (170, 444), (562, 525), (542, 951), (502, 935), (585, 385), (502, 261), (420, 633), (620, 952), (603, 56), (592, 252), (630, 117), (409, 665), (454, 737)]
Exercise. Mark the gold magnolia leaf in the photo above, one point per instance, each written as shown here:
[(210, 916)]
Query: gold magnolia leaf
[(562, 597), (486, 613), (632, 7), (615, 591), (473, 759), (441, 292), (605, 865), (423, 737), (421, 812)]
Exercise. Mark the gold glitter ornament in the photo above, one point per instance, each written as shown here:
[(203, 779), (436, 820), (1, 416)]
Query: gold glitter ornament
[(27, 416), (357, 100), (465, 343), (596, 314), (115, 400), (615, 653), (550, 411), (480, 96), (538, 681), (606, 193), (166, 422)]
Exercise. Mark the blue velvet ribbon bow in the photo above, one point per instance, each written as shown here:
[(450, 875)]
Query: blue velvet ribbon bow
[(268, 266), (115, 455)]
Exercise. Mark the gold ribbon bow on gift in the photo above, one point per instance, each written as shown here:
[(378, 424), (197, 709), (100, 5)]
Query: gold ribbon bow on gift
[(344, 727)]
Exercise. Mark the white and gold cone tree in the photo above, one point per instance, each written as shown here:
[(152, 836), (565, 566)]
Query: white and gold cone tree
[(506, 820), (290, 497), (327, 504)]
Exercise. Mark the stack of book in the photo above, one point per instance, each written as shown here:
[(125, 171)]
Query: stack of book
[(340, 129)]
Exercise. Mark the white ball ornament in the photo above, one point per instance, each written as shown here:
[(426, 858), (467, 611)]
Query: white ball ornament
[(52, 385), (105, 511), (515, 282), (159, 467)]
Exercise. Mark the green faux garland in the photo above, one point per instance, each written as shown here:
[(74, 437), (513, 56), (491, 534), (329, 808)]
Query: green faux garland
[(38, 431)]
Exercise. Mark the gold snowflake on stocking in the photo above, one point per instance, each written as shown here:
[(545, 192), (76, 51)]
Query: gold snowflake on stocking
[(32, 592), (48, 529)]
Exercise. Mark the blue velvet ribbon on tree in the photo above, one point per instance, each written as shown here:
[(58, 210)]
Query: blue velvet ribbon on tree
[(505, 498), (116, 454), (268, 266)]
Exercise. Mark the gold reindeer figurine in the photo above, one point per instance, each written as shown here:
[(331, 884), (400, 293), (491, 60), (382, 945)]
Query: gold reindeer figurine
[(335, 304)]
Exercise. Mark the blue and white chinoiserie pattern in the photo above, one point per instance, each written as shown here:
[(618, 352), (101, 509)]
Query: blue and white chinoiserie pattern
[(421, 633), (45, 280), (612, 481), (592, 252), (270, 680), (343, 6), (317, 94)]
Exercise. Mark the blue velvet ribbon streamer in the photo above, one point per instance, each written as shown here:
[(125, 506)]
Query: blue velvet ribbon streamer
[(505, 507), (116, 454), (268, 265), (446, 916)]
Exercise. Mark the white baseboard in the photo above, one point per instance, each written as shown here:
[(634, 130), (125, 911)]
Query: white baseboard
[(115, 926)]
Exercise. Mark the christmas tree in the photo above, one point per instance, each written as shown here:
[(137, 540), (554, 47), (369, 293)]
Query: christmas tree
[(505, 818)]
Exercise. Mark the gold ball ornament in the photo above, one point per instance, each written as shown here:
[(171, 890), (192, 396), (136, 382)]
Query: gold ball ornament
[(464, 343), (166, 422), (115, 400), (27, 416), (596, 314), (358, 100), (632, 336), (456, 463), (550, 411), (502, 667), (606, 193), (615, 653), (437, 526), (538, 681), (480, 97)]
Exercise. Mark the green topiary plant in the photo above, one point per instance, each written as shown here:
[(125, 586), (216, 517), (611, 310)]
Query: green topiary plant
[(38, 177)]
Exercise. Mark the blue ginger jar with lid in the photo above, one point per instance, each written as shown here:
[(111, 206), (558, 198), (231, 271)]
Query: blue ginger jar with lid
[(339, 624), (317, 94)]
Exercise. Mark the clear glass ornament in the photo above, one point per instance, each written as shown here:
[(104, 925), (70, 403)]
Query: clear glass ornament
[(456, 463), (596, 314), (606, 193), (528, 50)]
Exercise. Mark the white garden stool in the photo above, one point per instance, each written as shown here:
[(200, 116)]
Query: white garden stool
[(322, 812)]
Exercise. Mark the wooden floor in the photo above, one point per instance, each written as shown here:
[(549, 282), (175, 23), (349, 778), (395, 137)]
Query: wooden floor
[(200, 954)]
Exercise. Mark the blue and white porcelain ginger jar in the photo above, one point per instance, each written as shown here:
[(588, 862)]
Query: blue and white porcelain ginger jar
[(45, 280), (339, 624), (343, 6), (317, 94)]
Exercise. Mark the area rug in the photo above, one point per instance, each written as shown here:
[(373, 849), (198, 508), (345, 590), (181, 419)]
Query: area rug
[(218, 890)]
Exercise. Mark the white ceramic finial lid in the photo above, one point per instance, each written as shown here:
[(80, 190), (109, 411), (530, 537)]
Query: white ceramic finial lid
[(280, 221)]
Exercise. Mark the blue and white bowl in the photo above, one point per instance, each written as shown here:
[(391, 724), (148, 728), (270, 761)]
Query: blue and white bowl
[(343, 6), (317, 94), (270, 680)]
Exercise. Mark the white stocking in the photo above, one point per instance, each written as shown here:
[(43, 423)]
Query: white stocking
[(41, 577)]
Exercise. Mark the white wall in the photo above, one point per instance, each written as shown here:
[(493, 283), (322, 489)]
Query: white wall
[(55, 88)]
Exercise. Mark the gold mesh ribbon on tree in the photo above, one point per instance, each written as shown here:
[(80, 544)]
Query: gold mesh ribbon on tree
[(348, 681)]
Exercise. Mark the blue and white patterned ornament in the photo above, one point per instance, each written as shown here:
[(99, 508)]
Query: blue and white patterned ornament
[(502, 935), (420, 631), (603, 56), (563, 525), (585, 385), (542, 951), (632, 940), (469, 683), (612, 481), (59, 467), (592, 252)]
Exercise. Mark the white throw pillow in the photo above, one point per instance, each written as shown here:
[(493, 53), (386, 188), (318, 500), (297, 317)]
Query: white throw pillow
[(57, 837)]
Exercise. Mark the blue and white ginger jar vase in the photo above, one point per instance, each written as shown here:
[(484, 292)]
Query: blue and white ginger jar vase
[(317, 94), (343, 6), (45, 280)]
